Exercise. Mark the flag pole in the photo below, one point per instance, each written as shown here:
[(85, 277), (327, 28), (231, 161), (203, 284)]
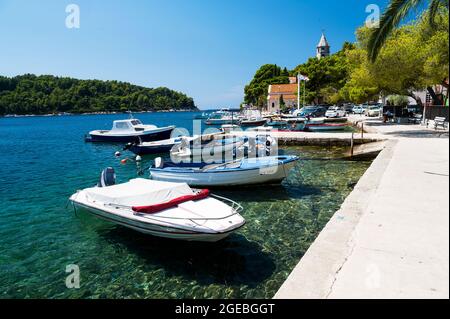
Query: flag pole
[(298, 91), (304, 92)]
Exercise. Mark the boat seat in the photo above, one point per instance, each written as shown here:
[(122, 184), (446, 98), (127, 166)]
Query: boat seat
[(224, 165)]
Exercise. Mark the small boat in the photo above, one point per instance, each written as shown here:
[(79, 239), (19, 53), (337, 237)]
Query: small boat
[(244, 171), (287, 116), (335, 120), (326, 127), (202, 116), (252, 118), (277, 123), (228, 128), (165, 146), (220, 120), (130, 130), (324, 124), (253, 122), (223, 116), (295, 124), (155, 147), (188, 148), (169, 210)]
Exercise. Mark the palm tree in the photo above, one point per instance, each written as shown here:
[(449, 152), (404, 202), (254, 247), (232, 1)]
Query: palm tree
[(391, 18)]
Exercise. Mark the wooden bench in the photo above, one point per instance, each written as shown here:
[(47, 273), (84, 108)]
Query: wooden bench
[(439, 122)]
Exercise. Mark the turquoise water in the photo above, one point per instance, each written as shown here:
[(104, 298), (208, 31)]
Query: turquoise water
[(44, 160)]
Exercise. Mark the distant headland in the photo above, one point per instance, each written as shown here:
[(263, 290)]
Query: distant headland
[(30, 94)]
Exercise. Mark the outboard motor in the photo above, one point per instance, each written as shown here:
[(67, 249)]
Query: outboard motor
[(107, 177)]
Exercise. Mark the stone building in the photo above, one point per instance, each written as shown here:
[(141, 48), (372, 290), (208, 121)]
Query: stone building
[(287, 91)]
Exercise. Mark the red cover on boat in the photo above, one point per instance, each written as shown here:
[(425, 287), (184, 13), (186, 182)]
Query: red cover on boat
[(152, 209)]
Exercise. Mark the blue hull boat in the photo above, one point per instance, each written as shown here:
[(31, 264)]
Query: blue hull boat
[(245, 171)]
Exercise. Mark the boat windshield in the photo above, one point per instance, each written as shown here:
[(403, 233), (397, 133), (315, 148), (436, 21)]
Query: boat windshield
[(136, 122), (121, 125)]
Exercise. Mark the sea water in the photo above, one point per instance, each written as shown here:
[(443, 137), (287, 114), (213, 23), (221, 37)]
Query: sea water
[(43, 160)]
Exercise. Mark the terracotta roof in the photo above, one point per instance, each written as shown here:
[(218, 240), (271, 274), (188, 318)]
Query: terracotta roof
[(283, 88)]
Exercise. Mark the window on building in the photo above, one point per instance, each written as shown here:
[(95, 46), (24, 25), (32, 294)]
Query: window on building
[(273, 105)]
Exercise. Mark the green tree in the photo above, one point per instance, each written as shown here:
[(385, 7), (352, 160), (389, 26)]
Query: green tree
[(397, 100), (414, 57), (326, 76), (256, 91), (48, 94), (282, 103), (393, 16)]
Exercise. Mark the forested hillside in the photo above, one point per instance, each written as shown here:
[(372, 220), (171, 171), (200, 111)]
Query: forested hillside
[(31, 94)]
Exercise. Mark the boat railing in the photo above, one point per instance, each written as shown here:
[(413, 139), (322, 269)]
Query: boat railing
[(236, 207)]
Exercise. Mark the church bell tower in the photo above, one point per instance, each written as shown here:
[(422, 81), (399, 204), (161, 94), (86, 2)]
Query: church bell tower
[(323, 48)]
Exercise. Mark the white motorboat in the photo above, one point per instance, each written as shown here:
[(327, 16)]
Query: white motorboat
[(155, 147), (244, 171), (252, 118), (130, 130), (165, 146), (188, 148), (224, 116), (163, 209)]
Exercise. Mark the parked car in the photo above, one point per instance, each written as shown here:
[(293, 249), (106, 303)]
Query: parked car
[(348, 108), (373, 111), (311, 111), (335, 111), (358, 109)]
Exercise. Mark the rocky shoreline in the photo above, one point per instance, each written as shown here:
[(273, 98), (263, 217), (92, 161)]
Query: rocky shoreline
[(94, 113)]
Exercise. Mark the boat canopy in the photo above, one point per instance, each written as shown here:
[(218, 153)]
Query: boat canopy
[(139, 192), (128, 125)]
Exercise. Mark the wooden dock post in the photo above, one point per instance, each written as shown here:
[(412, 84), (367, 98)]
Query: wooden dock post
[(352, 145), (362, 130)]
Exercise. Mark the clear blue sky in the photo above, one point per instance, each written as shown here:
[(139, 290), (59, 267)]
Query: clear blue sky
[(208, 49)]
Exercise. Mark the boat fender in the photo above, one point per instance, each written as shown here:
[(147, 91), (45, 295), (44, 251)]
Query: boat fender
[(152, 209), (159, 162)]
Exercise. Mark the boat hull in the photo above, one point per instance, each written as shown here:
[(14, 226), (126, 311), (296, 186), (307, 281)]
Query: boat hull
[(220, 122), (148, 150), (152, 229), (253, 123), (208, 150), (225, 178), (325, 127), (149, 136)]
